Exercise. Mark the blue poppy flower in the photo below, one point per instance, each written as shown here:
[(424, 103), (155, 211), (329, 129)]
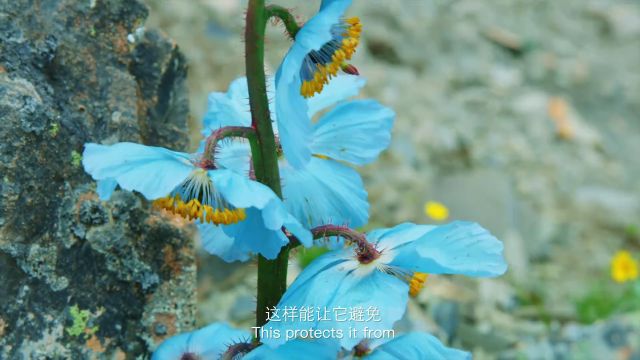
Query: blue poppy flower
[(208, 343), (299, 349), (410, 346), (248, 212), (219, 340), (325, 190), (321, 48), (379, 285)]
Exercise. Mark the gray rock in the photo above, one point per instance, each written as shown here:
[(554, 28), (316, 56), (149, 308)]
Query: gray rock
[(65, 68)]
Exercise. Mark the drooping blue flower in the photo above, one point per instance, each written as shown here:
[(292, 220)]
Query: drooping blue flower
[(217, 339), (321, 48), (412, 346), (379, 285), (249, 213), (324, 190), (207, 343), (299, 349)]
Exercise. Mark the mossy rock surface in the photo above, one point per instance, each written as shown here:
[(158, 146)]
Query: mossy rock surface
[(84, 278)]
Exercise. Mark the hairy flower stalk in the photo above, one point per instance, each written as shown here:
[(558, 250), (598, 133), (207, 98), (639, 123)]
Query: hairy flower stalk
[(283, 14), (272, 274), (366, 252), (213, 140)]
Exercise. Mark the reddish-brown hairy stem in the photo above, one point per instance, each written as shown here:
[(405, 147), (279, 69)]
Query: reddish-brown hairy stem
[(216, 136), (365, 250)]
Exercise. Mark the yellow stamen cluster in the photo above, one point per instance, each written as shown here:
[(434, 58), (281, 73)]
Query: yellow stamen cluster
[(624, 267), (417, 283), (193, 209), (351, 38)]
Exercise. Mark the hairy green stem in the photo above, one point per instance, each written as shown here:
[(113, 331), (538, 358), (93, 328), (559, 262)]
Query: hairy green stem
[(272, 274), (289, 21)]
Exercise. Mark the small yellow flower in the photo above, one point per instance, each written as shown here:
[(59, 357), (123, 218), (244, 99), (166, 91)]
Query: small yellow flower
[(624, 267), (435, 210)]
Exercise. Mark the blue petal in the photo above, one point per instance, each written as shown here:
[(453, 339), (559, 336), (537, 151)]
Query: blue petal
[(105, 188), (327, 3), (243, 239), (335, 281), (354, 131), (317, 31), (232, 108), (391, 238), (325, 192), (261, 231), (228, 109), (241, 191), (207, 343), (338, 89), (416, 346), (216, 241), (294, 123), (152, 171), (297, 349), (234, 155), (456, 248)]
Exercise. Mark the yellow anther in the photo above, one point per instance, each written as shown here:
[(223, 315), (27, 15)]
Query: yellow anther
[(324, 72), (352, 20), (193, 210), (417, 283)]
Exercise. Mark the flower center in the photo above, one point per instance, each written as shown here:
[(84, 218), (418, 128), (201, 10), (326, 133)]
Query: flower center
[(417, 283), (319, 66), (196, 198), (237, 351), (362, 349), (189, 356)]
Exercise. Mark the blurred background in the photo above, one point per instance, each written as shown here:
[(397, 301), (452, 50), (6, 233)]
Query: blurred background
[(521, 115)]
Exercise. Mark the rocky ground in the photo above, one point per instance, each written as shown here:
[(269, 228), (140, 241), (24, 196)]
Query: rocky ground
[(521, 115)]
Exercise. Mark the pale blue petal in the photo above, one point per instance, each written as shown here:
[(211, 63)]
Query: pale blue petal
[(207, 343), (391, 238), (301, 233), (232, 108), (327, 3), (105, 188), (249, 237), (228, 109), (335, 283), (240, 191), (416, 346), (338, 89), (294, 123), (297, 349), (152, 171), (456, 248), (261, 231), (354, 131), (325, 192), (215, 241), (234, 155), (317, 31)]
